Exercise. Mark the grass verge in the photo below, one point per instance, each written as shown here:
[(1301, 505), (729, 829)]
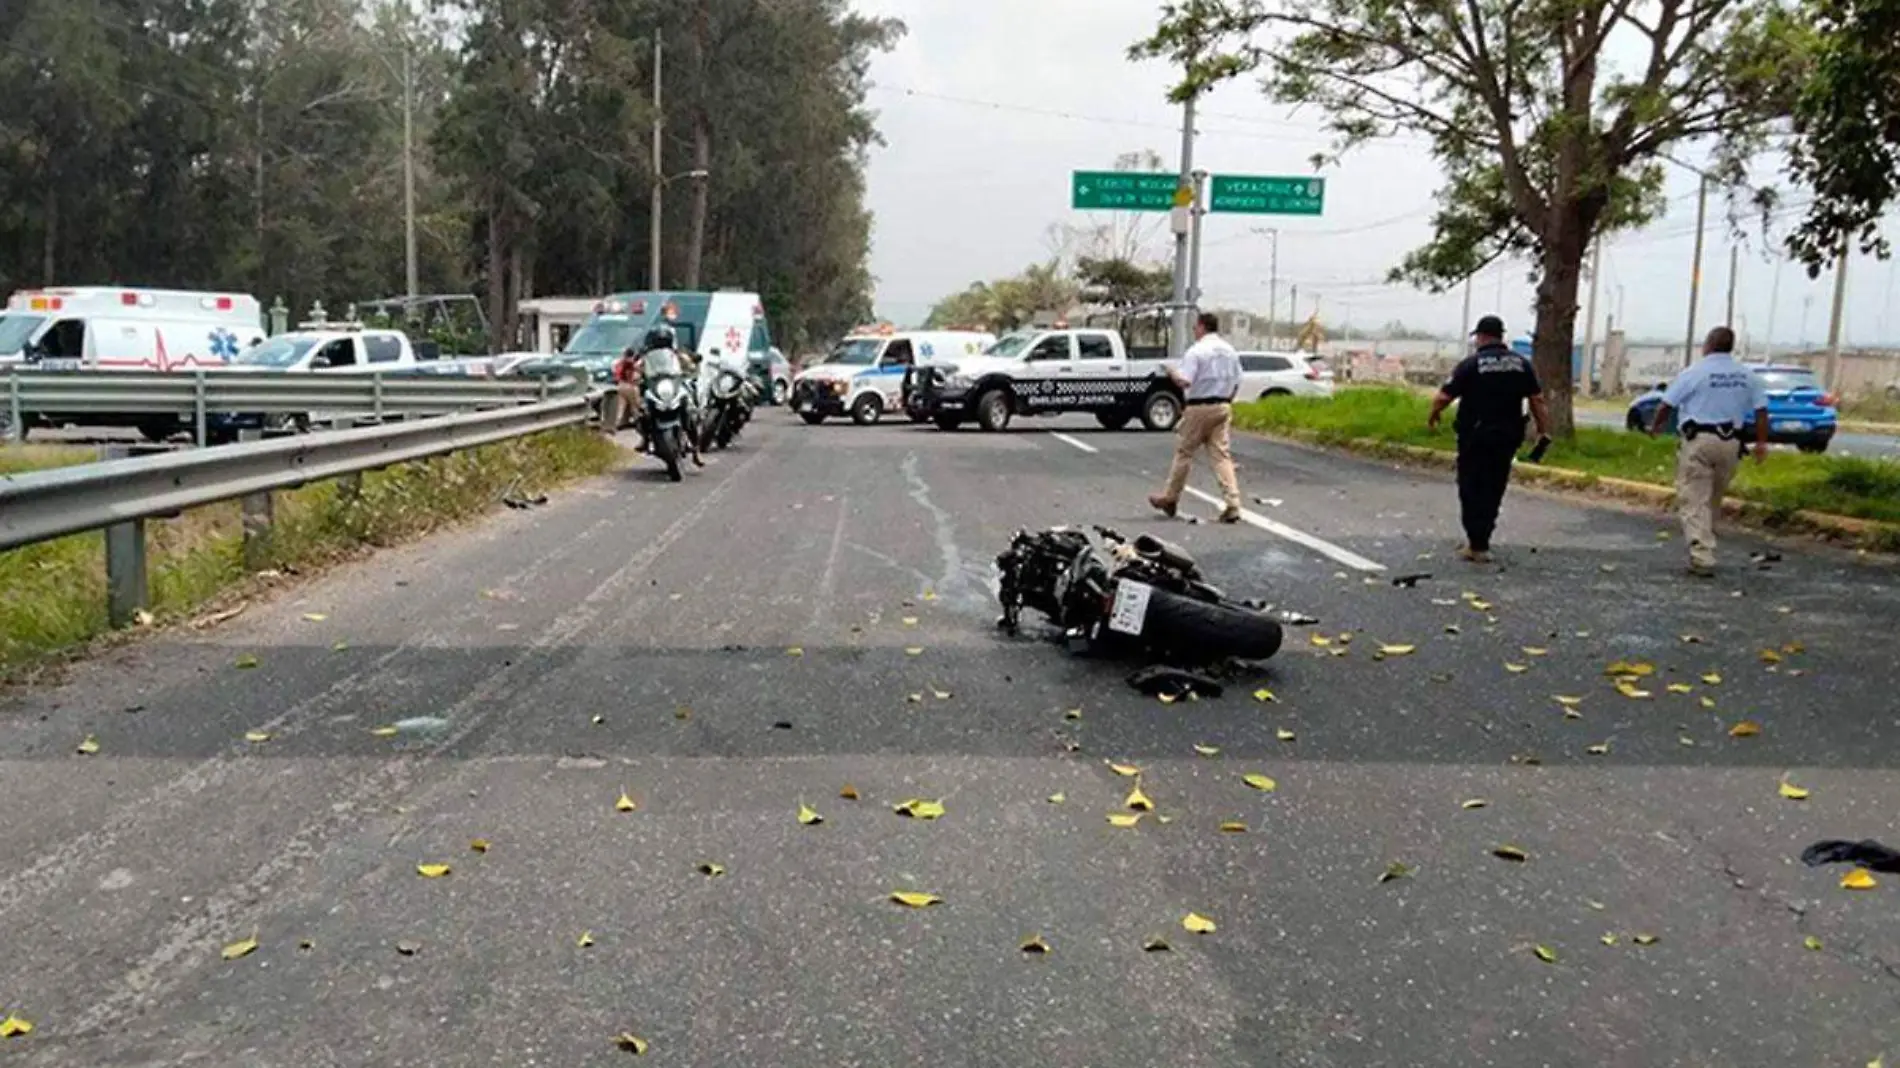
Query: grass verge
[(1787, 484), (55, 595)]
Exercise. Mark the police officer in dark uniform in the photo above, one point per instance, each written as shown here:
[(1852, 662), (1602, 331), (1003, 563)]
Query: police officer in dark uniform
[(1490, 387)]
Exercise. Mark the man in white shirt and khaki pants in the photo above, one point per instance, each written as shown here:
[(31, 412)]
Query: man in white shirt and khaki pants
[(1209, 375)]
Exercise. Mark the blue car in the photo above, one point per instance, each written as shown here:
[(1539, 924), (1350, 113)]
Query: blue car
[(1801, 412)]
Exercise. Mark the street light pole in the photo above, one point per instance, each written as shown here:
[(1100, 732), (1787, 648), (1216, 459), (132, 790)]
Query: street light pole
[(653, 233)]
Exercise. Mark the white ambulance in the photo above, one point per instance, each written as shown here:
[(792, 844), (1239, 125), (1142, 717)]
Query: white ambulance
[(127, 329), (864, 375)]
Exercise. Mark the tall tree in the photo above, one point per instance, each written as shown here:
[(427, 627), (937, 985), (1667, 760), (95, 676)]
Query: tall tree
[(1544, 146)]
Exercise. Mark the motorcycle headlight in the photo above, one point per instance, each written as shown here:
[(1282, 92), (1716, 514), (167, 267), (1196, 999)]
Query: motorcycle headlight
[(666, 390)]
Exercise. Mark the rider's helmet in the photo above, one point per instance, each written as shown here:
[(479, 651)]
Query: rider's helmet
[(660, 337)]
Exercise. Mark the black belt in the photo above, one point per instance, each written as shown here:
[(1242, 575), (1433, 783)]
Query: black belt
[(1209, 400), (1725, 431)]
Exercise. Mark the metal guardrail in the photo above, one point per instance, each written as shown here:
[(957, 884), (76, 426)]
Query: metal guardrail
[(120, 495), (193, 396)]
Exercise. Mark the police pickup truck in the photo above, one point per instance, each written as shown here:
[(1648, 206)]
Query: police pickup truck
[(1046, 372)]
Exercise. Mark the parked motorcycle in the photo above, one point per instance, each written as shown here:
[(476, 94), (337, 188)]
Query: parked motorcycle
[(666, 409), (729, 402), (1153, 600)]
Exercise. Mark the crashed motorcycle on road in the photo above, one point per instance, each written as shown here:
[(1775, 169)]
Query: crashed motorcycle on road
[(1153, 599)]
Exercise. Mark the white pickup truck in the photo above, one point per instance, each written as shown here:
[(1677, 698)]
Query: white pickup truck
[(328, 348), (1046, 372)]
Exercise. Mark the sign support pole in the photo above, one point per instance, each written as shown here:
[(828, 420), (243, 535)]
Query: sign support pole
[(1178, 340)]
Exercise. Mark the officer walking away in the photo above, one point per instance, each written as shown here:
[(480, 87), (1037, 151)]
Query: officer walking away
[(1490, 387), (1713, 398), (1209, 376)]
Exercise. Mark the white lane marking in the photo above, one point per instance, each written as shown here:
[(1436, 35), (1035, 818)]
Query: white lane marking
[(1298, 537), (1083, 445)]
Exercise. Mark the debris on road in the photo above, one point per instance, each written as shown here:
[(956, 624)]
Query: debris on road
[(1867, 853), (1161, 681)]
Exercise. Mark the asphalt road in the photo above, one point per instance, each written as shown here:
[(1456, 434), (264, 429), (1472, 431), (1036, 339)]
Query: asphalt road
[(635, 636), (1845, 443)]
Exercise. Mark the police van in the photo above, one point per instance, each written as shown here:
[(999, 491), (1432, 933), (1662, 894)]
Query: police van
[(1047, 372), (864, 375), (114, 328)]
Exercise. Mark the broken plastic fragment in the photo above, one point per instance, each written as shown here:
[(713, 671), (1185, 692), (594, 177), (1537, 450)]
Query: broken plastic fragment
[(239, 949), (1124, 819), (1859, 879), (809, 816), (629, 1042)]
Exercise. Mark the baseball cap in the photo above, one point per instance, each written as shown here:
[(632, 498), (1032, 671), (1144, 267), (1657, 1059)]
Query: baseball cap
[(1491, 325)]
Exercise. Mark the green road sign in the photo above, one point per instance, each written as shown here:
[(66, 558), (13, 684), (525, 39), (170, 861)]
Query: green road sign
[(1248, 195), (1122, 191)]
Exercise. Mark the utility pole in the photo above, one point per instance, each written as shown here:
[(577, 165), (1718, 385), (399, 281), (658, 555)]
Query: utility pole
[(1182, 219), (1695, 269), (1273, 281), (409, 173), (1834, 323), (1774, 302), (659, 175), (1590, 320), (1734, 266), (1199, 209), (1464, 319)]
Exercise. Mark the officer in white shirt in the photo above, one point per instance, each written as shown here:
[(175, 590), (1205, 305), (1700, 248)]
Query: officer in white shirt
[(1209, 375), (1714, 398)]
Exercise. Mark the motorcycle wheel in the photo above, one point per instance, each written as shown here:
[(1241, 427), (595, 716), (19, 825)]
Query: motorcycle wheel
[(1185, 627), (667, 448)]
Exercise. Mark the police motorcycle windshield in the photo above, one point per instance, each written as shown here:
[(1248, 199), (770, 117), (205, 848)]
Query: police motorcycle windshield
[(664, 377)]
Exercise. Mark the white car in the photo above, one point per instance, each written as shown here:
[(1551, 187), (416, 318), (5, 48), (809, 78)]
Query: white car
[(1283, 374)]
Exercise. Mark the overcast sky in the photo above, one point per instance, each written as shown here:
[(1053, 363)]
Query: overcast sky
[(988, 105)]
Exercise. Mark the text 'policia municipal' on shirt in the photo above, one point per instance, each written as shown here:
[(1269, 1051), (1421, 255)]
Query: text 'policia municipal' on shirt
[(1491, 386), (1714, 391)]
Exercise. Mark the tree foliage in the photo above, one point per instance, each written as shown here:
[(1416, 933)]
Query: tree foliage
[(1008, 303), (1847, 125), (257, 146), (1543, 144), (1121, 283)]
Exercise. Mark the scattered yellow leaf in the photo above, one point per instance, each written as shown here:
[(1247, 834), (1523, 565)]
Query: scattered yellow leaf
[(1510, 852), (432, 871), (1600, 749), (914, 899), (1517, 669), (1631, 692), (1747, 728), (624, 803), (479, 845), (15, 1026), (1794, 648), (1124, 769), (1124, 819), (1058, 797), (1398, 869), (930, 595), (1035, 944), (1138, 801), (1713, 678), (849, 793), (1166, 698), (1264, 695), (585, 940), (315, 617), (1474, 802), (915, 698), (1156, 945), (383, 732), (796, 650), (1234, 827), (808, 815), (919, 809), (1197, 923), (1597, 905), (1073, 713), (1707, 702), (1207, 750), (1260, 782), (1398, 650), (1769, 656), (1567, 702), (1812, 943), (239, 949), (1608, 939), (246, 661), (1482, 606), (1639, 669), (1345, 637), (915, 650), (1680, 687), (1645, 939), (711, 870), (88, 746), (1859, 879), (910, 621), (1545, 954), (1531, 650), (1691, 639), (631, 1043), (1283, 734), (257, 736), (1792, 792), (1321, 640)]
